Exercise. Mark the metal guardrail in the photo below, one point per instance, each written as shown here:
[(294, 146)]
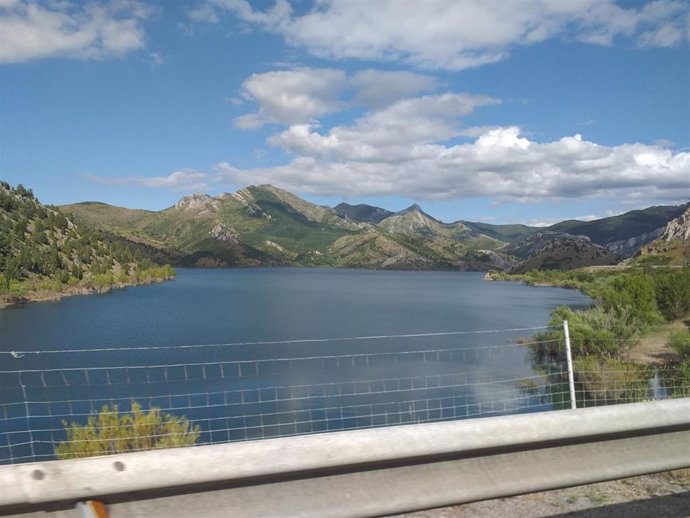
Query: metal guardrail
[(370, 472)]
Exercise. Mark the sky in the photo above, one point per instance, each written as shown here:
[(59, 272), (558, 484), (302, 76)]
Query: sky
[(524, 111)]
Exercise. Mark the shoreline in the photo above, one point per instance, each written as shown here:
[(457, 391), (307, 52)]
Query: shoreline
[(53, 296), (650, 349)]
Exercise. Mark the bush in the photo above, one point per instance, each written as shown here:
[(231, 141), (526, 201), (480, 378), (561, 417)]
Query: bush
[(103, 281), (109, 432), (631, 299), (592, 332), (680, 342), (673, 294), (612, 381)]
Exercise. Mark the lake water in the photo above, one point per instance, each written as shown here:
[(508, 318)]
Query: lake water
[(265, 352)]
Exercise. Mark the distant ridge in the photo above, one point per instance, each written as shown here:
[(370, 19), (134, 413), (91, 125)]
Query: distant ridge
[(263, 225), (362, 213)]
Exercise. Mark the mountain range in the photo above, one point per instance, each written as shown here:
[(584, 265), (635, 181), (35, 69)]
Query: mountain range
[(267, 226)]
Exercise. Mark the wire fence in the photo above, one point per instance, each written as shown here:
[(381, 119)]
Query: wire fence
[(245, 391)]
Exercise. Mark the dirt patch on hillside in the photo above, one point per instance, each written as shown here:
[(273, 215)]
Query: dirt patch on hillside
[(652, 348)]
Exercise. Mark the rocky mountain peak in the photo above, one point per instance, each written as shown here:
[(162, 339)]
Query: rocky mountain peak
[(410, 221), (199, 203), (412, 208), (679, 228)]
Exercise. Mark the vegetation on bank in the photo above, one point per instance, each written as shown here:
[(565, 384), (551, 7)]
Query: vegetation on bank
[(43, 254), (109, 432), (628, 303)]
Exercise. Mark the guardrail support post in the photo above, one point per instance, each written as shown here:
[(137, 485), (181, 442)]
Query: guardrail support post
[(569, 359)]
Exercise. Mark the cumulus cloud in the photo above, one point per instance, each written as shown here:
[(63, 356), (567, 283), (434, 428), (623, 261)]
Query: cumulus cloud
[(34, 30), (398, 132), (292, 96), (501, 163), (451, 34), (377, 88), (177, 181), (301, 95), (406, 145)]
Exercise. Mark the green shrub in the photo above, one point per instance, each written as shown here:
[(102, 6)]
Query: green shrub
[(673, 294), (592, 332), (109, 432), (103, 281), (607, 380), (631, 299), (680, 342)]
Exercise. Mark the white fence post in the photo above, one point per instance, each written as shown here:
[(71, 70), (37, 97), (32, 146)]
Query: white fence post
[(569, 359)]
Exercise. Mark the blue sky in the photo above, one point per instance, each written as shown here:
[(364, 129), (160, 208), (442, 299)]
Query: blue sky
[(522, 111)]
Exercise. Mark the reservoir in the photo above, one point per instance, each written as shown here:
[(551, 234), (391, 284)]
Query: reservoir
[(252, 353)]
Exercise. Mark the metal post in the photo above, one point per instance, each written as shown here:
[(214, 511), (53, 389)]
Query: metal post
[(569, 359)]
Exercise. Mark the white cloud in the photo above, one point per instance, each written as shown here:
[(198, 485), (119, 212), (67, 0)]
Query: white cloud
[(407, 146), (292, 96), (501, 164), (454, 34), (272, 18), (302, 95), (178, 181), (664, 142), (204, 13), (34, 30), (398, 132), (666, 24), (376, 88)]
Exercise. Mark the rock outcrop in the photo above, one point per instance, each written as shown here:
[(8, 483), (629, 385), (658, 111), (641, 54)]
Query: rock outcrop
[(678, 229), (224, 233), (198, 203), (629, 247)]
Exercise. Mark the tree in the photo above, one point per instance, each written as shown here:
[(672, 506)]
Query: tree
[(109, 432)]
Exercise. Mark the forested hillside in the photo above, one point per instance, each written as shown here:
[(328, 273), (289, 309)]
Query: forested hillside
[(44, 254)]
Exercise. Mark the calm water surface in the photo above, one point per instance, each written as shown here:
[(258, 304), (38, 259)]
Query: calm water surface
[(237, 389), (220, 306)]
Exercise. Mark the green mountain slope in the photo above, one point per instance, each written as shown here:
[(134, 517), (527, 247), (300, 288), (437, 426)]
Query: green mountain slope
[(43, 253), (507, 233), (258, 225), (362, 213), (265, 225), (624, 234), (558, 251)]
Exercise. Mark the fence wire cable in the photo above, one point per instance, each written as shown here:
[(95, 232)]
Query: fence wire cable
[(19, 354), (232, 396)]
